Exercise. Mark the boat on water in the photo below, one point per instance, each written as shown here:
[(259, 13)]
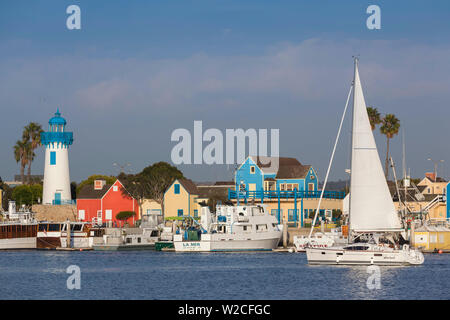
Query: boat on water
[(54, 235), (320, 240), (143, 237), (375, 228), (18, 229), (230, 228), (118, 239)]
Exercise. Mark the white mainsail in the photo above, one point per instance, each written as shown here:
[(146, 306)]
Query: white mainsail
[(371, 206)]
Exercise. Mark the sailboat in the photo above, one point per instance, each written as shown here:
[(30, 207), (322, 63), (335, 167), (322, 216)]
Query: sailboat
[(374, 224)]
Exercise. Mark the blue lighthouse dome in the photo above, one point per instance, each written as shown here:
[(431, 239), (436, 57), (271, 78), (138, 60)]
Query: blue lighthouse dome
[(57, 119), (57, 133)]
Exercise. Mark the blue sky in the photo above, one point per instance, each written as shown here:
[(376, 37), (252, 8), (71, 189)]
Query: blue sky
[(137, 70)]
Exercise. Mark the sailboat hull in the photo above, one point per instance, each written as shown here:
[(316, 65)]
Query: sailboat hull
[(373, 256)]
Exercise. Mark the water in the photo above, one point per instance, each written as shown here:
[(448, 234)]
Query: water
[(168, 275)]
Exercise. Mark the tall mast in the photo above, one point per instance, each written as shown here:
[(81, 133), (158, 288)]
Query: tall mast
[(355, 58)]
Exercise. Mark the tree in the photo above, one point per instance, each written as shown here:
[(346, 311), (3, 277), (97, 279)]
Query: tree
[(151, 183), (22, 153), (136, 186), (90, 181), (32, 134), (390, 126), (27, 194), (214, 198), (374, 117), (161, 175)]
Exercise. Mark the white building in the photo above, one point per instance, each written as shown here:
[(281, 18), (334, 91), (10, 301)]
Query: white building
[(56, 172)]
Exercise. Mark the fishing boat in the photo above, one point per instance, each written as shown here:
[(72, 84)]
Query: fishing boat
[(230, 228), (18, 229), (375, 228), (119, 239), (54, 235)]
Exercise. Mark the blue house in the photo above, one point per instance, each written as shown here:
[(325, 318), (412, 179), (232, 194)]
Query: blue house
[(280, 180), (264, 174)]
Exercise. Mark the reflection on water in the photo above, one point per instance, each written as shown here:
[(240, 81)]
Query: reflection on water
[(164, 275)]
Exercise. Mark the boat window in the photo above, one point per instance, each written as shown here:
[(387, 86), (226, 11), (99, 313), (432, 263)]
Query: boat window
[(139, 240), (247, 228), (76, 227), (261, 227), (53, 227), (128, 240), (357, 248), (43, 227)]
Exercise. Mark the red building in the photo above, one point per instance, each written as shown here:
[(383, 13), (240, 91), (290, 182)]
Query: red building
[(101, 202)]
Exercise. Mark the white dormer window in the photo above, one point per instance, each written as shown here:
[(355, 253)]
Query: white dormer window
[(252, 169), (115, 188)]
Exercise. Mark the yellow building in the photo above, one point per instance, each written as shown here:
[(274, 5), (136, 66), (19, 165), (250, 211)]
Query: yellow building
[(432, 185), (150, 206), (432, 238), (181, 199)]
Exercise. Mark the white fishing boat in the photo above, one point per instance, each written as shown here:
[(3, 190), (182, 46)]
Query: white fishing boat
[(374, 225), (230, 228), (18, 229)]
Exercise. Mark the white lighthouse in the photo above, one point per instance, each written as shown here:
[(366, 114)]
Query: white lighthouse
[(56, 172)]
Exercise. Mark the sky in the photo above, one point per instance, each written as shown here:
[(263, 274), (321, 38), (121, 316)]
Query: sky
[(138, 70)]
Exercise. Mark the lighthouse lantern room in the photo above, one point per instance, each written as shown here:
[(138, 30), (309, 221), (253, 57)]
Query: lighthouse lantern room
[(56, 173)]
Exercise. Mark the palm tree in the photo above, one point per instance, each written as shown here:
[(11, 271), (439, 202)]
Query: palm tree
[(22, 155), (390, 126), (374, 117), (32, 133)]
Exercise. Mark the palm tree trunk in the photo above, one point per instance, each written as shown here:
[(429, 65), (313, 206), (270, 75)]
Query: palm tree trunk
[(386, 168), (29, 173), (22, 173)]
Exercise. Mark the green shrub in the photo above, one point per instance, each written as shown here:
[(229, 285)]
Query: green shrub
[(124, 215)]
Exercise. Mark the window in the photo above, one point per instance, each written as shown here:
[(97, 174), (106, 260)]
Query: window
[(52, 157), (261, 227), (292, 215), (252, 169), (195, 213), (108, 214), (180, 212), (99, 214), (81, 214), (177, 189), (115, 188)]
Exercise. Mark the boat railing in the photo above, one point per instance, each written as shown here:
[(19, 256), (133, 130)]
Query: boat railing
[(283, 194)]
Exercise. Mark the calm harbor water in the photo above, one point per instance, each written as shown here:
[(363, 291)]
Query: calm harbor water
[(168, 275)]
